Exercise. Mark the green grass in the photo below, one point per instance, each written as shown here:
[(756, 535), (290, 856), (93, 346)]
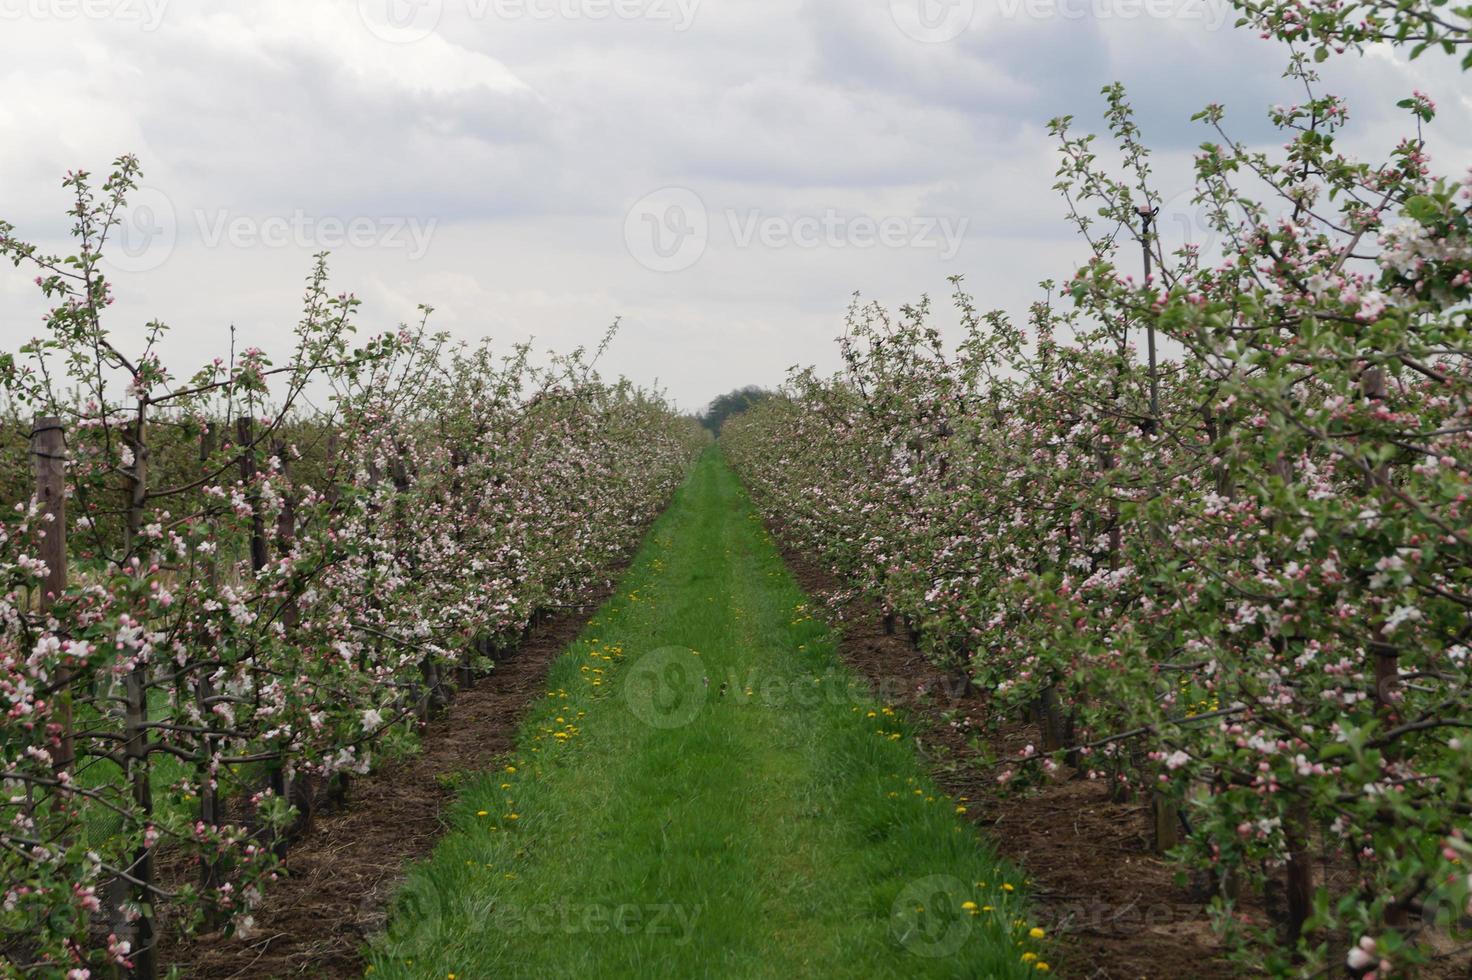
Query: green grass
[(781, 827)]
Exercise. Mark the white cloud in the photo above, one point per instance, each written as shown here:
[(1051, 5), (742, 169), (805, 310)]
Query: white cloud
[(278, 32), (522, 141)]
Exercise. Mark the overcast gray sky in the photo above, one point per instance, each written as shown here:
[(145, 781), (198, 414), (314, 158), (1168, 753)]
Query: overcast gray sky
[(723, 174)]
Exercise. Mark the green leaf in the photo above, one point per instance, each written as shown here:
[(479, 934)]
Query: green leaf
[(1424, 209)]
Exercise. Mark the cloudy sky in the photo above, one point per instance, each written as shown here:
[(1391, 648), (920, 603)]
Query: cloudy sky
[(722, 174)]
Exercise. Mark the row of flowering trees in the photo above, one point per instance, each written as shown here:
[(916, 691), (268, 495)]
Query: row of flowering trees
[(1209, 525), (271, 570)]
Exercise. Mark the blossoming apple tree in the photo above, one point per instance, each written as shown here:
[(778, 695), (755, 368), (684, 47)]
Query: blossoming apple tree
[(1208, 522), (271, 571)]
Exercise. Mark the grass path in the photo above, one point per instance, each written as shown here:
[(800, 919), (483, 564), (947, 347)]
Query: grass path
[(705, 791)]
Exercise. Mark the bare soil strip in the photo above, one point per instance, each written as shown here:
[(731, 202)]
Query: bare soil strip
[(340, 876), (1113, 906)]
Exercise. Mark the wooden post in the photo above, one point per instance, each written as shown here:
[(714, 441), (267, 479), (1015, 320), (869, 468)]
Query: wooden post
[(1298, 873), (1387, 657), (211, 870), (1298, 876), (1051, 719), (1167, 820), (433, 699), (136, 753), (137, 887), (245, 435), (48, 449), (286, 530), (1147, 215)]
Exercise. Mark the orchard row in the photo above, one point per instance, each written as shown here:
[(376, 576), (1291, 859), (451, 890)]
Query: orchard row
[(1205, 516), (222, 593)]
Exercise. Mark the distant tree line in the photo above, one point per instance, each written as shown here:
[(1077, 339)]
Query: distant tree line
[(732, 403)]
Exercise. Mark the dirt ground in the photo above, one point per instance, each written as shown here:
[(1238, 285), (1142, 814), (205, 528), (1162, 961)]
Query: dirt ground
[(1114, 906), (340, 876)]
